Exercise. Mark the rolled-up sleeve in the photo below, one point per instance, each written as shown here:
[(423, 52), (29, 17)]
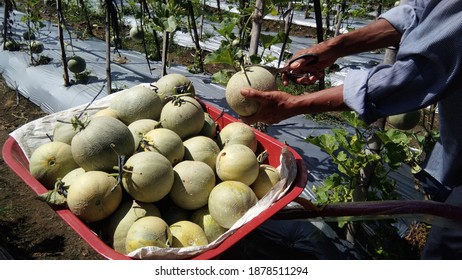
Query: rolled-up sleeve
[(392, 89), (426, 70), (404, 17)]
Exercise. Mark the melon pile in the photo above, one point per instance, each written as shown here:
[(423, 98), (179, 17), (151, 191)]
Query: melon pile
[(154, 169)]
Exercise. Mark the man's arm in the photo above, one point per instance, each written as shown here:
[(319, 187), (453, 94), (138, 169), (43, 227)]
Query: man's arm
[(378, 34)]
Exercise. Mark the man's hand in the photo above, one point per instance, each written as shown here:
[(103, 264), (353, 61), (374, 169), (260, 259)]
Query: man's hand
[(273, 106)]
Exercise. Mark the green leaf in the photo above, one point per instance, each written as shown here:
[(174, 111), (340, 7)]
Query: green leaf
[(170, 24), (222, 77), (221, 55), (269, 40), (395, 154), (326, 142)]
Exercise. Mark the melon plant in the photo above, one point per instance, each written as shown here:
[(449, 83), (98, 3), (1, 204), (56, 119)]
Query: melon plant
[(184, 115), (238, 133), (94, 196), (193, 182), (117, 225), (237, 162), (100, 142), (166, 142), (405, 121), (255, 77), (138, 102), (76, 64), (174, 84), (229, 201), (211, 228), (201, 148), (187, 234), (268, 176), (148, 231), (50, 161), (147, 176)]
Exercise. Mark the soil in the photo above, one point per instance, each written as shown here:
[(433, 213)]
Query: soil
[(30, 228)]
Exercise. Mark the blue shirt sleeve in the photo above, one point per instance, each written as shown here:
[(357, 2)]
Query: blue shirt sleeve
[(428, 63), (405, 17)]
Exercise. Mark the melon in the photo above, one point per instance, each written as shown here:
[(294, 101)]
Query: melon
[(238, 133), (108, 112), (255, 77), (229, 201), (138, 102), (99, 144), (140, 127), (148, 231), (12, 45), (166, 142), (185, 116), (64, 132), (94, 196), (147, 176), (50, 161), (268, 176), (211, 228), (210, 127), (173, 84), (76, 64), (187, 234), (201, 148), (194, 180), (36, 47), (28, 35), (237, 162), (71, 176), (405, 121), (117, 225)]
